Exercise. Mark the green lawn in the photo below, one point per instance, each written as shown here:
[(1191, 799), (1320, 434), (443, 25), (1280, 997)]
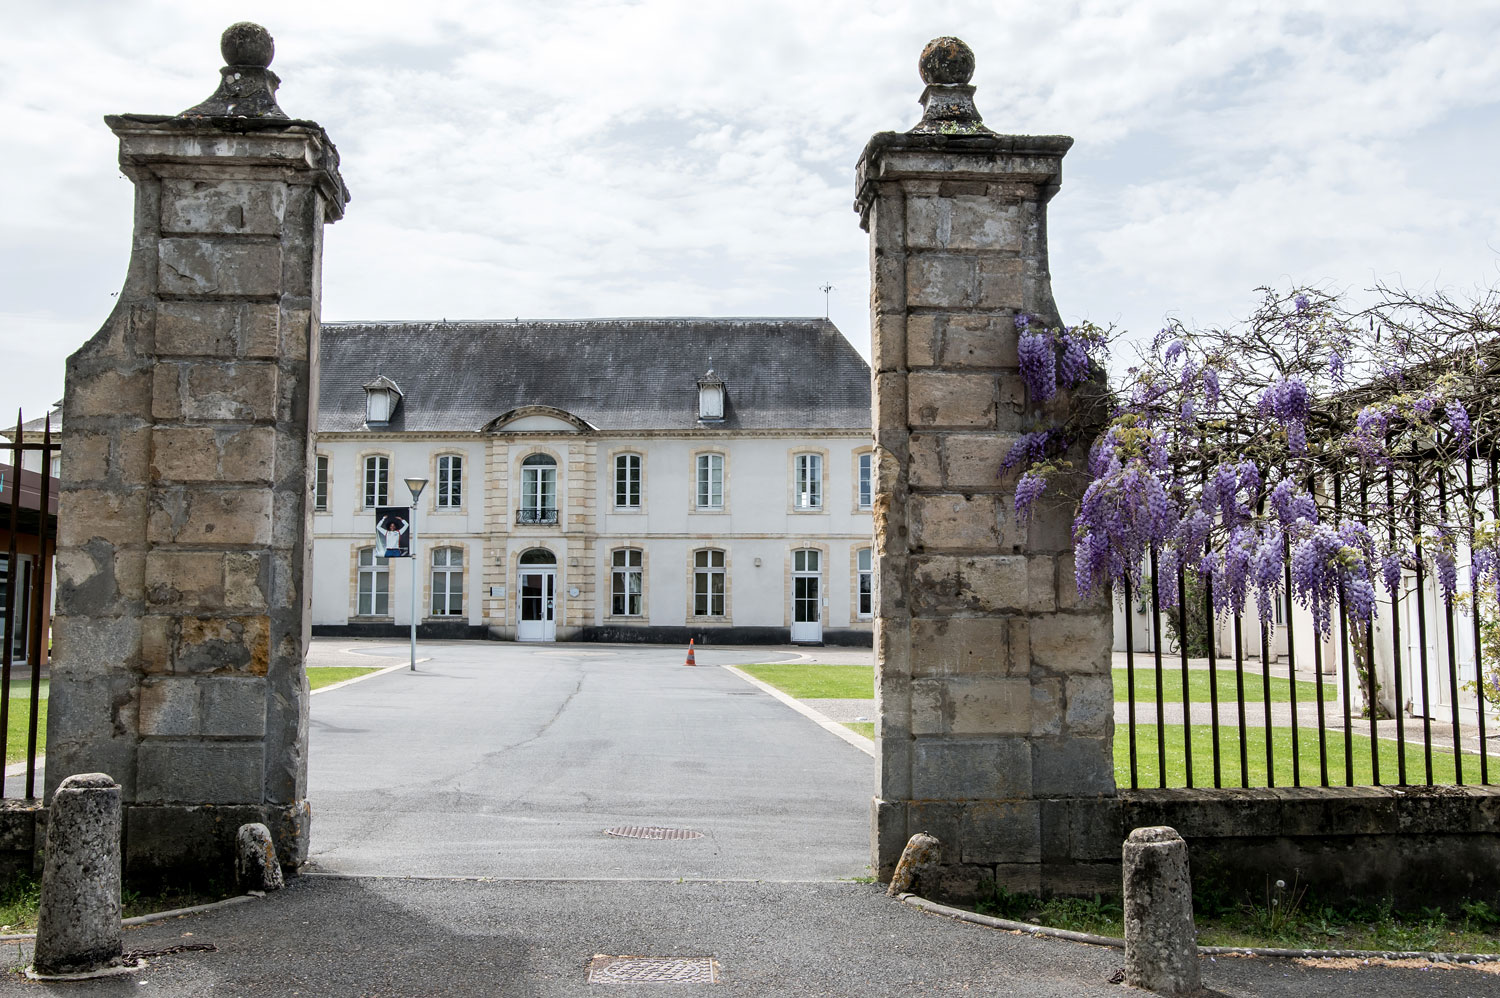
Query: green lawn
[(818, 682), (18, 723), (320, 676), (1281, 749), (1198, 685), (866, 728)]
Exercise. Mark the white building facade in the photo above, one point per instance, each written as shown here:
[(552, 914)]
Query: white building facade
[(615, 480)]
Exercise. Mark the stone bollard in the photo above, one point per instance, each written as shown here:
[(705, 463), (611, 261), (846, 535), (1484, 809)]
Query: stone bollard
[(1161, 946), (78, 924), (918, 858), (255, 866)]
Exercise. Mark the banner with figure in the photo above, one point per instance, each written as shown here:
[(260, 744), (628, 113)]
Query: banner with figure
[(393, 528)]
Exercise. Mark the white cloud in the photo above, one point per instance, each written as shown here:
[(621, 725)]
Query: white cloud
[(672, 157)]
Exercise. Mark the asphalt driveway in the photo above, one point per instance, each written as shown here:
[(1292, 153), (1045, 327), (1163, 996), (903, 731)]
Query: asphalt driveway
[(498, 759)]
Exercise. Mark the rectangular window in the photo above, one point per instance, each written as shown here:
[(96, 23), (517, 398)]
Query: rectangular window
[(374, 585), (448, 582), (710, 481), (708, 583), (809, 483), (450, 482), (866, 481), (377, 481), (538, 490), (864, 597), (625, 586), (627, 481), (320, 483)]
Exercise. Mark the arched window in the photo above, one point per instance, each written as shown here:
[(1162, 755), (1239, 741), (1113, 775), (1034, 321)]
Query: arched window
[(538, 490), (538, 556), (374, 590), (448, 582)]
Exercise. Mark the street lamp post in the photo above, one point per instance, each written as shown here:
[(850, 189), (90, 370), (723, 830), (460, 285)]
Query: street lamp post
[(416, 485)]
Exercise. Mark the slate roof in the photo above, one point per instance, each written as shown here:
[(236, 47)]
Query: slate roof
[(618, 374)]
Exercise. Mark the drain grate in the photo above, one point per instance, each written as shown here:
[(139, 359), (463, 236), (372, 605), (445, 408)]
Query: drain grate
[(653, 970), (652, 832)]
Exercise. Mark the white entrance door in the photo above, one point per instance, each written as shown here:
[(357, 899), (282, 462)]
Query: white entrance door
[(538, 605), (807, 596)]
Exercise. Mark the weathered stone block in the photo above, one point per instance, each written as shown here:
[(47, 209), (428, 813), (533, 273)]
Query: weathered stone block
[(234, 707), (972, 460), (1000, 283), (1041, 582), (962, 646), (1001, 832), (985, 705), (954, 522), (194, 329), (295, 334), (241, 392), (965, 222), (945, 768), (925, 470), (109, 393), (117, 516), (1072, 766), (223, 644), (169, 706), (211, 516), (1072, 642), (940, 399), (185, 578), (200, 772), (942, 280), (224, 206), (980, 341), (888, 342), (249, 455), (1091, 705), (246, 575), (184, 454), (212, 267), (85, 456), (998, 583), (1046, 706), (923, 332)]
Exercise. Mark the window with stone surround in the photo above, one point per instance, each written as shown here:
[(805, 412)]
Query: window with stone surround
[(710, 481), (807, 486), (708, 583), (377, 480), (864, 480), (627, 481), (374, 599), (448, 582), (864, 586), (450, 482), (626, 583), (320, 484), (538, 490)]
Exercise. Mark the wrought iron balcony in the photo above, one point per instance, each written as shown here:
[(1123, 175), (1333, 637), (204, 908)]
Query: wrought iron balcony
[(536, 514)]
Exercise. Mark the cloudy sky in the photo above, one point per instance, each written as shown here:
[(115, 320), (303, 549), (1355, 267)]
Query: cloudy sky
[(680, 157)]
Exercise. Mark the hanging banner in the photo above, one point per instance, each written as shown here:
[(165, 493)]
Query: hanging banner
[(393, 528)]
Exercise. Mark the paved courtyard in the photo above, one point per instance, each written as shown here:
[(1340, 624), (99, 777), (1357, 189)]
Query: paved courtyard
[(497, 759)]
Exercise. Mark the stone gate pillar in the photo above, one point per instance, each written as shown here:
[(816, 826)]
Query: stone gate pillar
[(993, 681), (183, 555)]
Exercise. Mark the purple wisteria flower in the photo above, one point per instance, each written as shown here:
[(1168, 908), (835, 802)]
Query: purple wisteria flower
[(1458, 419), (1028, 490), (1287, 400), (1075, 359), (1038, 365), (1029, 448)]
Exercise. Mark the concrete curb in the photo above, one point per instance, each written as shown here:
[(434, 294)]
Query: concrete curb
[(823, 721), (962, 915)]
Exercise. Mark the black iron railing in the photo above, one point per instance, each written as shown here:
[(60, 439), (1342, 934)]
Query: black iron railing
[(1335, 709), (538, 514), (28, 502)]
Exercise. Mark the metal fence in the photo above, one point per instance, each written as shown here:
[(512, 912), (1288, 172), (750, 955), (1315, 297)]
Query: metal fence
[(27, 504), (1398, 701)]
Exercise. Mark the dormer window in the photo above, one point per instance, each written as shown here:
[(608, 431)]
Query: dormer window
[(711, 398), (381, 398)]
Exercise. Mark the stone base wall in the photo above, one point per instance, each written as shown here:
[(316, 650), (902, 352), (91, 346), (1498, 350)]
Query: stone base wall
[(1417, 846)]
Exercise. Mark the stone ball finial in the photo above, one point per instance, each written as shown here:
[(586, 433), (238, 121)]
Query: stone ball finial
[(946, 60), (248, 44)]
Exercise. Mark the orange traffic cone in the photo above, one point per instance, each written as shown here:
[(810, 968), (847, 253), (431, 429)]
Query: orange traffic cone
[(690, 659)]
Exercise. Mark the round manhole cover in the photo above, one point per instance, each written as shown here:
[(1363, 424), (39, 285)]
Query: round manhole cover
[(652, 832)]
